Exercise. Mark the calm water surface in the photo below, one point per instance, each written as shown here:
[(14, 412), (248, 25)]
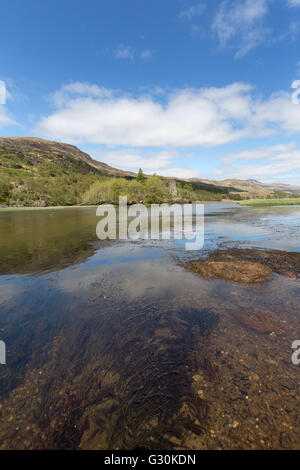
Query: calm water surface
[(114, 345)]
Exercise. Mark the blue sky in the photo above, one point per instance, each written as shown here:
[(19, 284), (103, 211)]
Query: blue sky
[(177, 87)]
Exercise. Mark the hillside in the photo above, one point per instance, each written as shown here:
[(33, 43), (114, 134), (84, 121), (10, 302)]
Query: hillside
[(253, 188), (54, 152), (42, 173), (38, 172)]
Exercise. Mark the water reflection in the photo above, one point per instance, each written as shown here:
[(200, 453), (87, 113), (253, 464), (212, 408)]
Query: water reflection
[(41, 240), (126, 349)]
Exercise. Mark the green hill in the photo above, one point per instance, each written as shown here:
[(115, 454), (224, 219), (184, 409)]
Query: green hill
[(35, 172), (40, 173)]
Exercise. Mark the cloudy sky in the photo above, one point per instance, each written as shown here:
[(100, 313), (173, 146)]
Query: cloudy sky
[(178, 87)]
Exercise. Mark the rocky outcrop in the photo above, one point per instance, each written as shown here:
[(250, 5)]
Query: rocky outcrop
[(237, 271), (247, 265)]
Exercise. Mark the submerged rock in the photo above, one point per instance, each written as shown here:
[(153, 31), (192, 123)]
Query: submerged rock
[(237, 271), (247, 265)]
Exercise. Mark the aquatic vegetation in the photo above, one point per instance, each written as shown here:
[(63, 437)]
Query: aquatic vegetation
[(61, 431), (123, 379), (261, 321), (237, 271), (247, 265), (157, 402)]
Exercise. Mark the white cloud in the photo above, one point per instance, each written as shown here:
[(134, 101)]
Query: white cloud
[(13, 93), (190, 13), (5, 118), (294, 3), (61, 97), (161, 163), (273, 152), (267, 163), (294, 30), (187, 118), (179, 172), (9, 92), (124, 52), (3, 92), (146, 54), (132, 159), (278, 113), (10, 293), (238, 25)]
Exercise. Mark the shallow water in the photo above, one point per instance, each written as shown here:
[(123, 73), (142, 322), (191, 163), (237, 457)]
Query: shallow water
[(114, 345)]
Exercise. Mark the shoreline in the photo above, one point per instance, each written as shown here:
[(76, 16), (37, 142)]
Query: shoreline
[(16, 208), (270, 202), (32, 208), (250, 203)]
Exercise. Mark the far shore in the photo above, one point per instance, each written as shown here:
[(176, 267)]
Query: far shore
[(271, 202), (20, 208), (39, 208), (245, 203)]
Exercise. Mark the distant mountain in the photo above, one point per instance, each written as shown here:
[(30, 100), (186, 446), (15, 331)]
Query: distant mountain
[(252, 186), (286, 188)]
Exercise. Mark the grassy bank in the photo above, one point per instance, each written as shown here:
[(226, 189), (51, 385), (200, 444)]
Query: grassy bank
[(271, 202)]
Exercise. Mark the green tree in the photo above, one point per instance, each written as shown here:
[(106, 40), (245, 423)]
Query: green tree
[(5, 191), (141, 177)]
